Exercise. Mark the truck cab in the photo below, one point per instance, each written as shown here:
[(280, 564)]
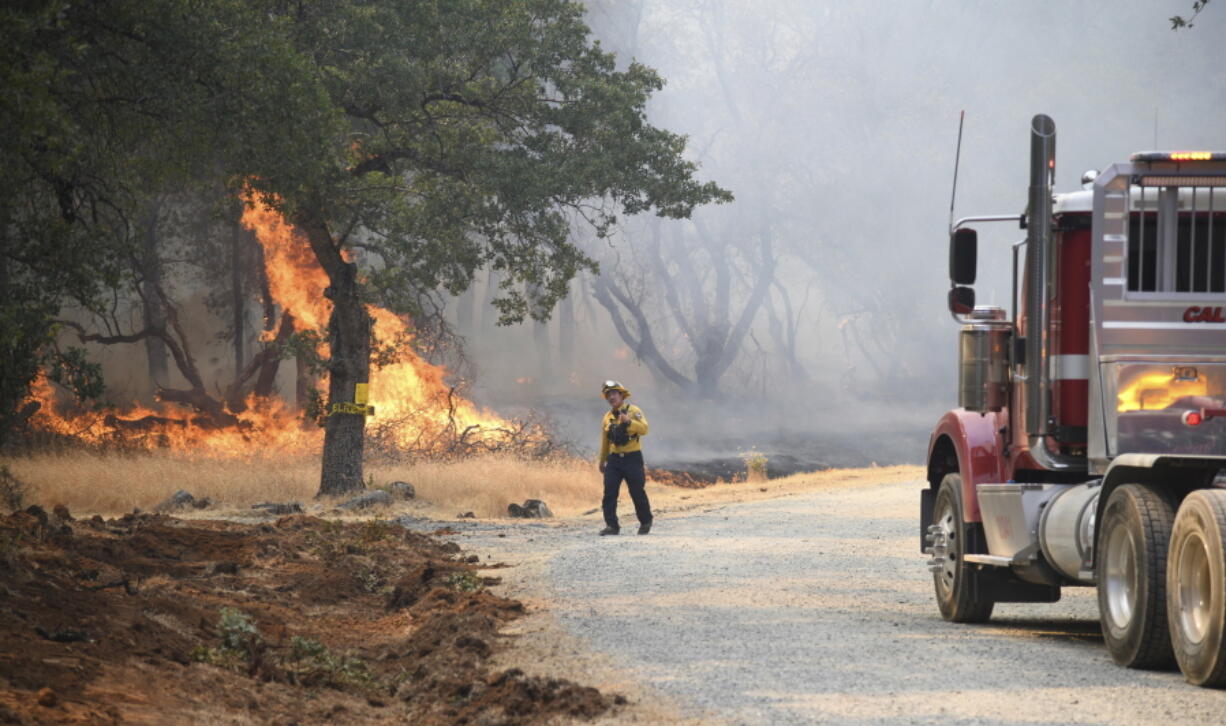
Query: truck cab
[(1090, 434)]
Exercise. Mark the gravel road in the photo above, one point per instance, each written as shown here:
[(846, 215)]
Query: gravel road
[(818, 608)]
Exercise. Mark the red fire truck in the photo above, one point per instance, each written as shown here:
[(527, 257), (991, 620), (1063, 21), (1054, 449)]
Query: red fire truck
[(1089, 446)]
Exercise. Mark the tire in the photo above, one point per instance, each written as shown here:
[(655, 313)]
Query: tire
[(1132, 554), (955, 592), (1196, 587)]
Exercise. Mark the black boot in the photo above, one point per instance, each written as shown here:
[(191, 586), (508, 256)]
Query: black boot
[(609, 530), (645, 527)]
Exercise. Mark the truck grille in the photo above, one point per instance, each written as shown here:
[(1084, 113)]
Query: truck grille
[(1177, 238)]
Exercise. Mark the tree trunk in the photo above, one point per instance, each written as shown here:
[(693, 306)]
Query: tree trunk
[(465, 306), (303, 382), (237, 298), (489, 313), (155, 348), (566, 335), (266, 380), (344, 433), (349, 339), (544, 353)]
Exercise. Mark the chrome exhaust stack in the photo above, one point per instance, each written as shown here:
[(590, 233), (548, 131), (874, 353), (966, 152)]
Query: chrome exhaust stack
[(1039, 281)]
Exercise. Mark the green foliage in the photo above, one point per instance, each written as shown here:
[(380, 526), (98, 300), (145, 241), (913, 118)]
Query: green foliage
[(27, 329), (311, 663), (464, 581), (72, 369), (237, 630), (477, 129), (239, 636), (430, 139), (755, 464)]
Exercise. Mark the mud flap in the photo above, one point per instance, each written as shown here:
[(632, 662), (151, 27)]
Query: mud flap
[(999, 584), (928, 498)]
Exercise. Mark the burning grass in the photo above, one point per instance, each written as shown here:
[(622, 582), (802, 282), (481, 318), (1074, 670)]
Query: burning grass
[(112, 483)]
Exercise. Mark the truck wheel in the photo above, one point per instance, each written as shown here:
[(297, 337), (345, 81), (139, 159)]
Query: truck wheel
[(1132, 547), (1195, 582), (952, 580)]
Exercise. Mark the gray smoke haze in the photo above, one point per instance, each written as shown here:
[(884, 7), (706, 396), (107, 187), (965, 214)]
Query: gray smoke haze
[(834, 124), (807, 318)]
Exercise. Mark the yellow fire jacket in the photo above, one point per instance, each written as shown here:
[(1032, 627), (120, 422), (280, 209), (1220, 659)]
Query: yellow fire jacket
[(637, 429)]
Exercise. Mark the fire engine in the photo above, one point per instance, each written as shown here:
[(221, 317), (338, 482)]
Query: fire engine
[(1089, 445)]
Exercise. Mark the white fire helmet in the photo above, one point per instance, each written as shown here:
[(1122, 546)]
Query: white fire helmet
[(613, 386)]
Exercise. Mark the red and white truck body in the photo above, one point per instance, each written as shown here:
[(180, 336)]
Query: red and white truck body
[(1091, 431)]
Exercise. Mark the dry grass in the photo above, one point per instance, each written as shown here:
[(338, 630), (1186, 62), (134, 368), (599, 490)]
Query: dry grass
[(111, 484), (671, 498), (486, 485)]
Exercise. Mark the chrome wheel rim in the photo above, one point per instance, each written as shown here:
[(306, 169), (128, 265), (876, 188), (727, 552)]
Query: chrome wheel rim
[(947, 523), (1121, 576), (1195, 588)]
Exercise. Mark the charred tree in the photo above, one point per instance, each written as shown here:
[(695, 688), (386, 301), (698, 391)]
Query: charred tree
[(711, 303), (151, 280)]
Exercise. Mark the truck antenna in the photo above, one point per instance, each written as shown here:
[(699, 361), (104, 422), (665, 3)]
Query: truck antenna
[(957, 159)]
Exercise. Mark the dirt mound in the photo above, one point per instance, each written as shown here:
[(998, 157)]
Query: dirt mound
[(152, 619)]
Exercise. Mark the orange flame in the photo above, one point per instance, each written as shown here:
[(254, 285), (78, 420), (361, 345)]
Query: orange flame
[(413, 401)]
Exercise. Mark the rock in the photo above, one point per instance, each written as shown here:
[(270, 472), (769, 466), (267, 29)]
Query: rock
[(47, 697), (374, 498), (279, 510), (8, 715), (402, 490), (202, 503), (179, 500), (475, 644), (62, 635), (223, 568), (530, 509), (466, 515)]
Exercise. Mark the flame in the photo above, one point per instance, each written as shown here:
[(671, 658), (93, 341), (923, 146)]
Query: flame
[(412, 399), (1158, 390), (295, 278)]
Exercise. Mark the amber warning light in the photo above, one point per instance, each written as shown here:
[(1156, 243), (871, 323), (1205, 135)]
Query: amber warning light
[(1179, 156)]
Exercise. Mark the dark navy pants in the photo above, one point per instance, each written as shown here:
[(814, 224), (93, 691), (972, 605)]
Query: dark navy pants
[(630, 468)]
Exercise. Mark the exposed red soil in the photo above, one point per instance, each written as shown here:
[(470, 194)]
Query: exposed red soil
[(121, 621)]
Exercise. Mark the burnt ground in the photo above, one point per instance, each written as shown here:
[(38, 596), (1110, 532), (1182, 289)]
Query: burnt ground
[(152, 619)]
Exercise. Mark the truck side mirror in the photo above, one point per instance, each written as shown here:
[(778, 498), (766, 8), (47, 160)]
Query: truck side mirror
[(963, 251), (961, 300)]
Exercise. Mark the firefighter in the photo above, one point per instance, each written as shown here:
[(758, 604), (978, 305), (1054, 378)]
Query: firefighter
[(621, 457)]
